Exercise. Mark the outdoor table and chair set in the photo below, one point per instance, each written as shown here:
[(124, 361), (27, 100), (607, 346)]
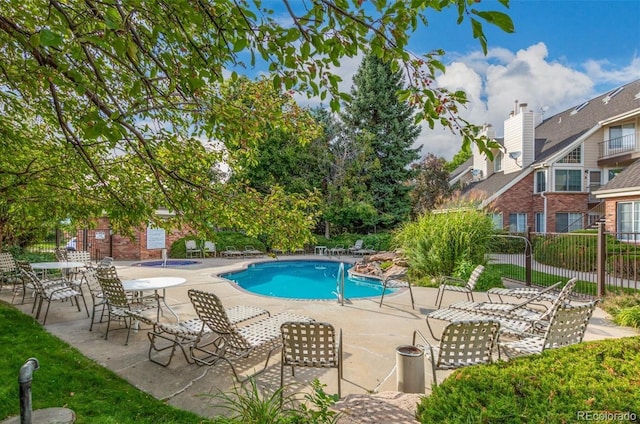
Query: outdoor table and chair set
[(541, 319)]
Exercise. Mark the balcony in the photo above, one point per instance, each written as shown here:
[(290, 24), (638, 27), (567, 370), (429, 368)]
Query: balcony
[(622, 148)]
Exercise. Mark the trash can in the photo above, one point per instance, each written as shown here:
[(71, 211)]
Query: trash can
[(410, 369)]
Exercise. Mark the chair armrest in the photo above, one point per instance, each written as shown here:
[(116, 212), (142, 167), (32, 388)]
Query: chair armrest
[(447, 279)]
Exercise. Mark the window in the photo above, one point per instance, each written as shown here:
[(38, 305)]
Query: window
[(517, 222), (568, 180), (628, 220), (622, 136), (497, 162), (574, 156), (496, 218), (568, 221), (540, 181), (541, 224)]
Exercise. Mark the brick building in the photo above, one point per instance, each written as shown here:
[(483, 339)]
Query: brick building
[(146, 242), (546, 174)]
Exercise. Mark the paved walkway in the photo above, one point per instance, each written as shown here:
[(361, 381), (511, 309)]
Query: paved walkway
[(371, 334)]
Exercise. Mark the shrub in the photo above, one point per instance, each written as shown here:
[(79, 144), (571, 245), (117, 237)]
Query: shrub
[(553, 387), (624, 309), (438, 243), (576, 252), (222, 239)]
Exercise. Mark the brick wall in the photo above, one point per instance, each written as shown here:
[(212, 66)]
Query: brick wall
[(611, 211), (130, 248), (521, 199)]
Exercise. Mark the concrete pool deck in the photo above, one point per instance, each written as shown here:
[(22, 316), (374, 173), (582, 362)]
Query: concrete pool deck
[(370, 336)]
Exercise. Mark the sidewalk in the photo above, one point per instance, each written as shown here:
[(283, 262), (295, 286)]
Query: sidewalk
[(370, 335)]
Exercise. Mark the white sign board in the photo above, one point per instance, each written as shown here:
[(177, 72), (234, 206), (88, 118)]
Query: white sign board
[(156, 238), (100, 235)]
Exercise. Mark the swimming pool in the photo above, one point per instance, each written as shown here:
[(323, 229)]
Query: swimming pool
[(307, 279)]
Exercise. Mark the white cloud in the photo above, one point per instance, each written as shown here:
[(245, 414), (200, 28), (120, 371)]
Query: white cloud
[(494, 82)]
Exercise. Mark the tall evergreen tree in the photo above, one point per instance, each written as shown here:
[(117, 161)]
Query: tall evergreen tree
[(375, 110)]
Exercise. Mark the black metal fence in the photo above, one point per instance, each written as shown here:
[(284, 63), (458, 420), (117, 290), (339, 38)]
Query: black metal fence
[(602, 262)]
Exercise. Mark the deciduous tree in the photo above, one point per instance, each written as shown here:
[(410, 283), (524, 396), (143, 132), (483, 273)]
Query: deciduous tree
[(128, 90)]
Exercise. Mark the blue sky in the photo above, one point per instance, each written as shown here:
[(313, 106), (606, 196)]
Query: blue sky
[(563, 52)]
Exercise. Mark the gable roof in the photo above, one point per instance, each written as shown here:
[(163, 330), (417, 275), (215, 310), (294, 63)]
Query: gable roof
[(626, 182), (561, 130)]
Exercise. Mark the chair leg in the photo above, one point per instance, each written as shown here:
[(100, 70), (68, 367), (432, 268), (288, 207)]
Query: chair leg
[(439, 296), (44, 320), (411, 294), (384, 288)]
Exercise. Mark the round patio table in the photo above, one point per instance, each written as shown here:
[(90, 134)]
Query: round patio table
[(155, 283)]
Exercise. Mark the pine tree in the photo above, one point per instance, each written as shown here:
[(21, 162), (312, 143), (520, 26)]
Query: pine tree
[(376, 111)]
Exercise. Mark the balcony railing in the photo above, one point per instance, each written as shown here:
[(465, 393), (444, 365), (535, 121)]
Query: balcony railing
[(619, 145)]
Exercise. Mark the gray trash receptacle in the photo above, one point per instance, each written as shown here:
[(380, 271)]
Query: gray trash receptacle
[(410, 369)]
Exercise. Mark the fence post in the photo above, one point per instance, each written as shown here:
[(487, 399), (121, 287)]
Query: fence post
[(528, 253), (601, 257)]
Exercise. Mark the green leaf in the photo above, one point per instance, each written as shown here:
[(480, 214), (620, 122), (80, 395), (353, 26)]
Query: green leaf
[(499, 19), (305, 50), (34, 40), (239, 44), (49, 38), (112, 18), (479, 34)]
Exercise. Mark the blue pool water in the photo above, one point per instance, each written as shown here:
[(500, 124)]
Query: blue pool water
[(314, 280)]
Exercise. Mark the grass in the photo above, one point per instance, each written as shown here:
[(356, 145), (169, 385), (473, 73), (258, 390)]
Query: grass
[(66, 378), (517, 272)]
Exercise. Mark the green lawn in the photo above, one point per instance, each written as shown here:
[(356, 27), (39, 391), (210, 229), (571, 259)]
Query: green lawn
[(516, 272), (66, 378)]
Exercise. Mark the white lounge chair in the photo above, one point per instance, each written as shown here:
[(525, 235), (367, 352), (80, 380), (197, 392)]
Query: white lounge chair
[(567, 326), (232, 342), (463, 343), (466, 287)]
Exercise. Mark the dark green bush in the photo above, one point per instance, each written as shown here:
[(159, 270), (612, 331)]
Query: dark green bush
[(572, 251), (554, 387), (379, 241), (506, 243), (222, 239)]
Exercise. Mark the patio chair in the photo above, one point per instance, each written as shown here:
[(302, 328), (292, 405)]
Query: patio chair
[(337, 250), (542, 293), (311, 344), (567, 326), (191, 249), (105, 262), (396, 281), (50, 292), (515, 319), (249, 250), (356, 246), (232, 252), (90, 278), (521, 310), (10, 275), (120, 306), (463, 343), (232, 342), (182, 335), (463, 287), (209, 248), (60, 254)]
